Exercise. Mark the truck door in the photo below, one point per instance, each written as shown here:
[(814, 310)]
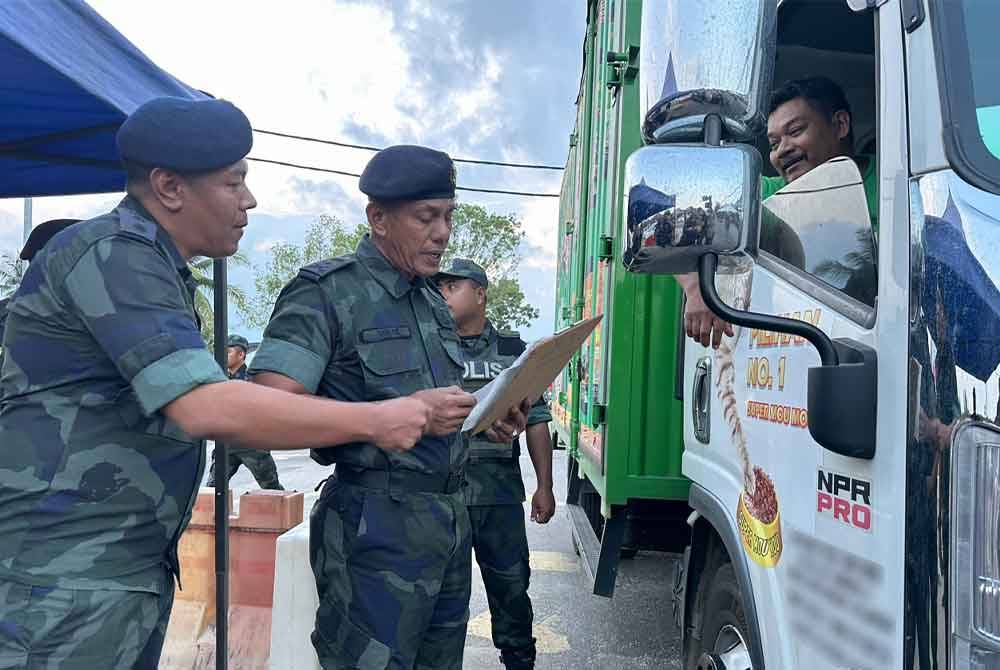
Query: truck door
[(818, 532)]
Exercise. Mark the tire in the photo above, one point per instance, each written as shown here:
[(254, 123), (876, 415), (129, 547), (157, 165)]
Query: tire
[(721, 604), (628, 553)]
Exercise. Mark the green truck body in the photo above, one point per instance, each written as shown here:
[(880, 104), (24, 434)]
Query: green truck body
[(617, 406)]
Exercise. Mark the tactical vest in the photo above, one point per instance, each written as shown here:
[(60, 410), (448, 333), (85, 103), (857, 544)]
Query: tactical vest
[(480, 369)]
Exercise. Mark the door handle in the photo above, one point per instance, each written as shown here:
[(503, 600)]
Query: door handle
[(701, 400)]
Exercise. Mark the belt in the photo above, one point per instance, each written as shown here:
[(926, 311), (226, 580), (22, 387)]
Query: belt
[(408, 481)]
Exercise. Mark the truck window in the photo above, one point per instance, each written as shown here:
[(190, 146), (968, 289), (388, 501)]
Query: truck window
[(824, 225), (969, 55), (819, 224)]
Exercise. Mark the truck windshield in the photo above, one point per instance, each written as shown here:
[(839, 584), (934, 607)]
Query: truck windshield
[(982, 18), (969, 55)]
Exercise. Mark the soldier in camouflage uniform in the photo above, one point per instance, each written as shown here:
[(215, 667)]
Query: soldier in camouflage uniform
[(40, 234), (108, 388), (389, 535), (495, 490), (260, 463)]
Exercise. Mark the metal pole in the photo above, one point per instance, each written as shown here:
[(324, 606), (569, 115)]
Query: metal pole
[(221, 480), (27, 219)]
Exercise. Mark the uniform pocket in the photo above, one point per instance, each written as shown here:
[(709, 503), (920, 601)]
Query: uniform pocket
[(392, 368)]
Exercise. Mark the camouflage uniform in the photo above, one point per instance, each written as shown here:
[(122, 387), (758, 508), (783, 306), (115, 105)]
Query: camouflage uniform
[(389, 536), (96, 485), (260, 463), (3, 323), (495, 494)]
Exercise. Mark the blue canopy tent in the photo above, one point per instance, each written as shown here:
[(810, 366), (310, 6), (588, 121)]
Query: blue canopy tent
[(67, 81)]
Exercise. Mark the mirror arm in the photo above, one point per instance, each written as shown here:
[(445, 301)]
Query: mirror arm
[(713, 130), (707, 265)]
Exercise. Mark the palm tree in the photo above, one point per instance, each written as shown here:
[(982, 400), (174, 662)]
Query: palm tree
[(201, 271)]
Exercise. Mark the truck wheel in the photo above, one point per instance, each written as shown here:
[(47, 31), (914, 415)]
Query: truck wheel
[(724, 631)]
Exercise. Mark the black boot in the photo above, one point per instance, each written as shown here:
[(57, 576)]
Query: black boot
[(518, 659)]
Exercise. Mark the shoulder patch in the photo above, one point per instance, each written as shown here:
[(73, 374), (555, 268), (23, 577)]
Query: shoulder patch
[(509, 343), (133, 225), (320, 269)]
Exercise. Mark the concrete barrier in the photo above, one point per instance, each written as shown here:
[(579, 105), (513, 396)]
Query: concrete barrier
[(253, 535), (295, 603)]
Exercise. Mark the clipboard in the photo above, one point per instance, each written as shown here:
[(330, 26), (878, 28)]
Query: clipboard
[(529, 376)]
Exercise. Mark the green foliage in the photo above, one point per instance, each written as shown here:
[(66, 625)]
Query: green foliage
[(201, 270), (492, 240), (11, 272), (327, 237), (506, 307)]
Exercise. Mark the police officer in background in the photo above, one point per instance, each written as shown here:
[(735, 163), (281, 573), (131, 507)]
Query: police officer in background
[(495, 490), (260, 463), (109, 388), (39, 235), (389, 536)]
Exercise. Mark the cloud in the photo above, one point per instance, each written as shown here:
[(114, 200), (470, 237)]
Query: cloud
[(326, 197), (265, 246), (479, 80)]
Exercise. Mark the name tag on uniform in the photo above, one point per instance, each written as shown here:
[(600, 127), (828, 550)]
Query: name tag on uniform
[(382, 334)]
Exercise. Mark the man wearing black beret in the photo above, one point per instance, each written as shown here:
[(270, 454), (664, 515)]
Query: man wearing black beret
[(108, 390), (389, 536)]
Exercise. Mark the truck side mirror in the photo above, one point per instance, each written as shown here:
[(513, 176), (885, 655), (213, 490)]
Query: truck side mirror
[(702, 58), (696, 208), (684, 201)]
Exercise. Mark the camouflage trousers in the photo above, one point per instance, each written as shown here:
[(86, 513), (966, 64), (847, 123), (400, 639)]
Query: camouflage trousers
[(501, 543), (75, 629), (393, 574), (259, 463)]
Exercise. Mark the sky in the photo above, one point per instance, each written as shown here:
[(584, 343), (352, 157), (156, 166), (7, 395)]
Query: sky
[(487, 80)]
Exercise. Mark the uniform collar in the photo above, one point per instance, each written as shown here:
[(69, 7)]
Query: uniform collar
[(391, 279), (142, 217), (483, 340)]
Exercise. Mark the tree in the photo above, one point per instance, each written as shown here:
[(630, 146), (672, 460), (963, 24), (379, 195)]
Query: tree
[(492, 240), (204, 302), (327, 237), (11, 273)]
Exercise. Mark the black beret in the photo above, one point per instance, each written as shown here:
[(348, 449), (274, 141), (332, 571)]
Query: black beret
[(408, 172), (41, 234), (185, 135)]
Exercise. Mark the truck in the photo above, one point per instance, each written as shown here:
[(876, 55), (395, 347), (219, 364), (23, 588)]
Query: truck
[(841, 449), (615, 408)]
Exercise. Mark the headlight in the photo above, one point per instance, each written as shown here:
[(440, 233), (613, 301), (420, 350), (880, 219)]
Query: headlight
[(975, 551)]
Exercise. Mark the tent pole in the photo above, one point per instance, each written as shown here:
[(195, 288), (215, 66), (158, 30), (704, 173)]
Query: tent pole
[(221, 289), (27, 218)]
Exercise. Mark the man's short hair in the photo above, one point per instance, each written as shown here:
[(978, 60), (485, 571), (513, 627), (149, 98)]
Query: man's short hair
[(822, 93), (136, 174)]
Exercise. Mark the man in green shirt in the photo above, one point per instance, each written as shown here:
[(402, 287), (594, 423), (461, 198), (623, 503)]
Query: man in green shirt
[(809, 122)]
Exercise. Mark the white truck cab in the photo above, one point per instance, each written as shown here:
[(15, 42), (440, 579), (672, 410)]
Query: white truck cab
[(843, 445)]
